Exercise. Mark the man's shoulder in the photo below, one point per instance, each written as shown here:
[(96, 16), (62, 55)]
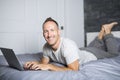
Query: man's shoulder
[(67, 40)]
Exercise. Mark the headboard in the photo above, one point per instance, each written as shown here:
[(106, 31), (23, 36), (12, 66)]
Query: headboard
[(97, 13)]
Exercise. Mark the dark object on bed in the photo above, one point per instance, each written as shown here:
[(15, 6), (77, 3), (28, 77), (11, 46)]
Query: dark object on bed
[(11, 58), (104, 69)]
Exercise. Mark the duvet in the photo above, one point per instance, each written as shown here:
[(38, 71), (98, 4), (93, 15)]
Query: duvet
[(102, 69)]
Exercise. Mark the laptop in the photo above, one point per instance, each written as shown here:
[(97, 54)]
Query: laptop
[(11, 58)]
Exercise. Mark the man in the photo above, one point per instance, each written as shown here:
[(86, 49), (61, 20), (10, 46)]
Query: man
[(65, 51)]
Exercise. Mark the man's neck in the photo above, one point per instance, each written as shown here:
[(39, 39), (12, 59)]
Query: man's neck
[(56, 46)]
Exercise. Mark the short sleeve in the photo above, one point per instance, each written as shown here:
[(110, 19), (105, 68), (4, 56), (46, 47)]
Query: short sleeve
[(45, 51), (71, 52)]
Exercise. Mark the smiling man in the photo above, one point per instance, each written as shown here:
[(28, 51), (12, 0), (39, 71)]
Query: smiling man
[(65, 51), (56, 49)]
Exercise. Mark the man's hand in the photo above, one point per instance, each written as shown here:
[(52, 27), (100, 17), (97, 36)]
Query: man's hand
[(35, 65), (29, 64), (40, 67)]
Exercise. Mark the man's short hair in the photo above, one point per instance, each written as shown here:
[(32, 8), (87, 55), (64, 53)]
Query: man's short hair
[(50, 19)]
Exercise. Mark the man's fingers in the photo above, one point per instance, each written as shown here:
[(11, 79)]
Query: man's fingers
[(35, 67), (28, 65)]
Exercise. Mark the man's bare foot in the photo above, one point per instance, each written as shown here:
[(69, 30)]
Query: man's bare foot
[(108, 27)]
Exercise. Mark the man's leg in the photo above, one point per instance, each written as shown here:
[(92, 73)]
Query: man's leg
[(97, 46), (111, 43), (98, 41)]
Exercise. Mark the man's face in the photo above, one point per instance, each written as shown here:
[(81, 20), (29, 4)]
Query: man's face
[(51, 33)]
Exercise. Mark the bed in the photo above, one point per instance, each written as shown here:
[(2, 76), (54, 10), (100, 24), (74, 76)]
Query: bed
[(103, 69)]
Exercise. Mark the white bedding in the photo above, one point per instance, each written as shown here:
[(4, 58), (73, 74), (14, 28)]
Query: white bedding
[(91, 35)]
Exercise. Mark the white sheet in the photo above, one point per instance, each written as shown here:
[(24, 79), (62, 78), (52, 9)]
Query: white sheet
[(91, 35)]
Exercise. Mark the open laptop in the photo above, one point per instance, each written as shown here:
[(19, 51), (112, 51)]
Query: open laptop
[(11, 58)]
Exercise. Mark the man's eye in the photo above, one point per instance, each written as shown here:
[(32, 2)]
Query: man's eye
[(45, 31)]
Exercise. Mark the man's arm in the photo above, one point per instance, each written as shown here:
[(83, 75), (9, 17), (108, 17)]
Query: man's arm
[(73, 66), (45, 60), (43, 65)]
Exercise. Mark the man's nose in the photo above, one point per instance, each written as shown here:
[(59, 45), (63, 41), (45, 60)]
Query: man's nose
[(49, 33)]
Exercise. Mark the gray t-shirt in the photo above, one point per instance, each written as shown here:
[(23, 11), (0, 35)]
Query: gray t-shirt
[(67, 53)]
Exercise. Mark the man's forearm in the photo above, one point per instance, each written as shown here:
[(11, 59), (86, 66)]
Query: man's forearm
[(58, 68)]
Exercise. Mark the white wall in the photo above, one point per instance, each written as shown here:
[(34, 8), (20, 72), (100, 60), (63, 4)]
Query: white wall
[(21, 22), (74, 20)]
